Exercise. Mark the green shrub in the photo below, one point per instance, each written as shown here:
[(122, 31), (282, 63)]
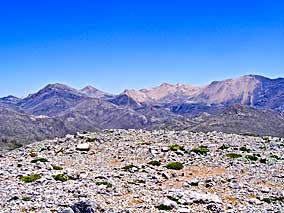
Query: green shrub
[(176, 147), (267, 200), (60, 177), (273, 200), (154, 163), (54, 167), (39, 160), (164, 207), (233, 155), (26, 198), (174, 166), (224, 146), (201, 150), (245, 149), (107, 184), (30, 178), (251, 157)]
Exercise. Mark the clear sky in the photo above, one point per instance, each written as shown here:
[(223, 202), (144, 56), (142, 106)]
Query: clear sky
[(120, 44)]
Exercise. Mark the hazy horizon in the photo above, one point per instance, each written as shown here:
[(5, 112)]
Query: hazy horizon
[(114, 46)]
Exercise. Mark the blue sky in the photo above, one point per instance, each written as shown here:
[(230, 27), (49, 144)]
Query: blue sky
[(120, 44)]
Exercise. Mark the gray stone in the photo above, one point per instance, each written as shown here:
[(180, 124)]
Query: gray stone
[(83, 147)]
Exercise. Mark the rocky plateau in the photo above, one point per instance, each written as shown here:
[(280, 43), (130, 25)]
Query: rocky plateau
[(119, 170)]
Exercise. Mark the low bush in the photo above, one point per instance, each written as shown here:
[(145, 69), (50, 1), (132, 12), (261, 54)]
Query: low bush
[(245, 149), (251, 157), (224, 146), (273, 200), (39, 160), (60, 177), (30, 178), (107, 184), (164, 207), (26, 198), (54, 167), (176, 147), (154, 163), (201, 150), (233, 155), (174, 166)]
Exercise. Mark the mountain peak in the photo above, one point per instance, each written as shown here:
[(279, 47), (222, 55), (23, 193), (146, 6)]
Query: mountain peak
[(165, 84), (10, 99), (88, 88), (94, 92), (58, 86), (253, 76)]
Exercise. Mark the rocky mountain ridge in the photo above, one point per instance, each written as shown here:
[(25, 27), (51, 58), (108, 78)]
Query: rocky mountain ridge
[(58, 109)]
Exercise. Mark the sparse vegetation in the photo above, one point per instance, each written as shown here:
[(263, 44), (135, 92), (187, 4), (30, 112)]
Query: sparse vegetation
[(60, 177), (224, 146), (251, 157), (176, 147), (233, 155), (26, 198), (201, 150), (174, 166), (30, 178), (107, 184), (164, 207), (39, 160), (154, 163), (245, 149), (54, 167), (273, 199)]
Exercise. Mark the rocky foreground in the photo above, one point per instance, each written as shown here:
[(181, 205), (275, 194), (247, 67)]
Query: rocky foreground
[(143, 171)]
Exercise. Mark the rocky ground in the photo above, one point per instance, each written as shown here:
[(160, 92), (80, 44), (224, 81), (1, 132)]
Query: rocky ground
[(143, 171)]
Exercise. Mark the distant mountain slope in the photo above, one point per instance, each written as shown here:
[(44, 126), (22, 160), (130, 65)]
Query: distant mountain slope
[(104, 115), (248, 105), (244, 120), (250, 90), (99, 114), (191, 110), (23, 128), (51, 100), (126, 100), (90, 114), (164, 93)]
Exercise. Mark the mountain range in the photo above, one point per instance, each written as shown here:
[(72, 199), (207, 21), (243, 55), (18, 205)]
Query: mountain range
[(250, 104)]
